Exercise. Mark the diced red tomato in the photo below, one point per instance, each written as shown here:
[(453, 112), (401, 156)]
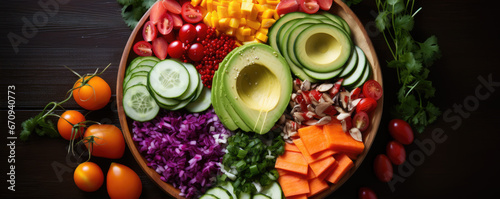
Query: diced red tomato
[(325, 4), (190, 13), (178, 22), (149, 31), (160, 46), (172, 6), (367, 104), (315, 94), (308, 6), (287, 6), (330, 111), (307, 99), (372, 89), (336, 87), (143, 48), (157, 12), (166, 24)]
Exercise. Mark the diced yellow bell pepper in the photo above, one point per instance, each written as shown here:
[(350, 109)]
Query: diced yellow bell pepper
[(246, 8), (262, 1), (239, 37), (260, 36), (268, 14), (208, 19), (230, 31), (264, 31), (210, 5), (249, 38), (222, 12), (234, 23), (243, 21), (273, 2), (253, 24), (224, 23), (234, 9), (245, 31), (195, 2), (215, 19), (203, 3), (276, 16), (266, 23)]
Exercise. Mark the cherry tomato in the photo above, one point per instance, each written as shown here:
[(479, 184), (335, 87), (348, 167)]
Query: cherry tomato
[(366, 104), (176, 49), (93, 93), (355, 93), (172, 6), (366, 193), (383, 168), (160, 46), (190, 13), (170, 37), (325, 4), (149, 31), (361, 121), (178, 22), (187, 33), (88, 177), (157, 12), (105, 140), (372, 89), (287, 6), (66, 122), (123, 182), (196, 52), (309, 6), (396, 152), (165, 24), (401, 131), (143, 48), (201, 31)]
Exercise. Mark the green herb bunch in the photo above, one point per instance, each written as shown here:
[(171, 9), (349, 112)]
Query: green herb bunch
[(412, 60), (132, 10)]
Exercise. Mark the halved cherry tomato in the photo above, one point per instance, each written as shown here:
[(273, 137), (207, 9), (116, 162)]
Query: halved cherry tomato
[(143, 48), (157, 12), (166, 24), (91, 92), (104, 140), (366, 193), (190, 13), (66, 123), (178, 22), (396, 152), (366, 104), (361, 121), (401, 131), (160, 46), (309, 6), (187, 33), (149, 31), (196, 52), (123, 182), (201, 31), (172, 6), (287, 6), (176, 49), (325, 4), (88, 176), (372, 89), (383, 168)]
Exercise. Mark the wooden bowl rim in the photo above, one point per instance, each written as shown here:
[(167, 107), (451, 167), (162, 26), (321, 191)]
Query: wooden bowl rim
[(360, 38)]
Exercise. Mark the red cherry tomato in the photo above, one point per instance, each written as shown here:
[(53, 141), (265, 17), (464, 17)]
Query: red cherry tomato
[(160, 47), (196, 52), (361, 121), (401, 131), (178, 22), (287, 6), (187, 33), (372, 89), (366, 193), (383, 168), (170, 37), (172, 6), (190, 13), (366, 104), (166, 24), (157, 12), (143, 48), (176, 49), (309, 6), (149, 31), (325, 4), (396, 152), (201, 31)]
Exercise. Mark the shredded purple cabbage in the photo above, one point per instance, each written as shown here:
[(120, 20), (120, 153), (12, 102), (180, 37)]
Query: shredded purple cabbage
[(184, 148)]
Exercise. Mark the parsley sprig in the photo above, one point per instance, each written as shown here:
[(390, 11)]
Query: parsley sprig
[(132, 10), (412, 60)]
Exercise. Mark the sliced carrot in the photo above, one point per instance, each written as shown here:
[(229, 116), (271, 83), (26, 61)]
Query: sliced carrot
[(302, 196), (321, 166), (291, 167), (311, 158), (293, 185), (313, 138), (282, 172), (329, 171), (344, 165), (291, 147), (293, 157), (316, 186), (310, 174), (338, 140)]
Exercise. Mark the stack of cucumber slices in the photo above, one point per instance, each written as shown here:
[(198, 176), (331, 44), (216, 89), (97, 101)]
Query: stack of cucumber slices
[(226, 191), (151, 84), (319, 47)]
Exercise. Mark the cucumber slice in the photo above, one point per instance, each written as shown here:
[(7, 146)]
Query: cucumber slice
[(193, 82), (129, 76), (359, 71), (244, 195), (138, 103), (351, 64), (273, 191), (182, 104), (208, 196), (219, 193), (137, 79), (135, 62), (366, 75), (261, 196), (229, 187), (148, 62), (202, 103), (199, 88), (140, 68), (169, 79)]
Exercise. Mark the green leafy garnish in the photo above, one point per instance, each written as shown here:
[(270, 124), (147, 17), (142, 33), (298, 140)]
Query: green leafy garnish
[(412, 60), (351, 2), (133, 10)]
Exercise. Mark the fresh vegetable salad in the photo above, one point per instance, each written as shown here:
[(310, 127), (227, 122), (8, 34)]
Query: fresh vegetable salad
[(249, 98)]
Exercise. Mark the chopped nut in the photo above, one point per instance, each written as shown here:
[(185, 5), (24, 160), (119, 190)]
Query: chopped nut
[(324, 87), (356, 134), (306, 85)]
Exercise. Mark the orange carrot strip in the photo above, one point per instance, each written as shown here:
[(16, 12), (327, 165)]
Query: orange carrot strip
[(313, 138), (310, 174), (291, 147), (292, 167), (316, 186), (307, 156), (302, 196), (293, 185), (344, 165), (320, 166), (338, 140), (329, 170)]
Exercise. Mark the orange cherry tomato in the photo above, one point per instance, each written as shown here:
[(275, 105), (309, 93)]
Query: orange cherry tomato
[(88, 176), (91, 94), (105, 140), (123, 182), (66, 122)]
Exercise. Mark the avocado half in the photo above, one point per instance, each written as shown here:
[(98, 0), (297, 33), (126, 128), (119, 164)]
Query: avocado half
[(253, 87)]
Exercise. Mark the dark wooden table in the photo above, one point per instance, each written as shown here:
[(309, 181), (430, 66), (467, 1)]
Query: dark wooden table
[(85, 35)]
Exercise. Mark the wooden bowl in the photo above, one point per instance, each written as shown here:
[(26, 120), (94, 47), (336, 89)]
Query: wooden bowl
[(360, 38)]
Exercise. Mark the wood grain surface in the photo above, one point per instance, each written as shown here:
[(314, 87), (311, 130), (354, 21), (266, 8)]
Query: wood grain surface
[(90, 34)]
